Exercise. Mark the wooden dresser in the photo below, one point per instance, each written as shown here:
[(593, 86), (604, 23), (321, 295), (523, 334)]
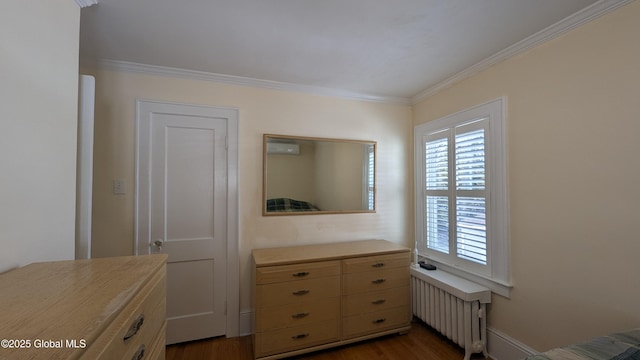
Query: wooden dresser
[(110, 308), (314, 297)]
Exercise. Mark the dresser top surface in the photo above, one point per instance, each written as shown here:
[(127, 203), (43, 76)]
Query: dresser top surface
[(321, 252), (70, 299)]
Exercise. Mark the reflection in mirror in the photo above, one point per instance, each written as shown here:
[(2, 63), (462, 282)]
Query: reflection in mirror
[(304, 175)]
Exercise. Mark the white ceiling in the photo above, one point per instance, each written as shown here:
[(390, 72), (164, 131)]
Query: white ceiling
[(379, 48)]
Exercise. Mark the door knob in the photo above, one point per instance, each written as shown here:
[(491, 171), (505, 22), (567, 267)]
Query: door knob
[(158, 243)]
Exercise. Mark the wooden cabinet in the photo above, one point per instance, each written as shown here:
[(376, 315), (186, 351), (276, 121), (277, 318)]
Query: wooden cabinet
[(318, 296), (111, 308), (299, 306), (375, 293)]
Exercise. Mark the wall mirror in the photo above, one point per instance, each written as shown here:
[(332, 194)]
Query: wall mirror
[(307, 175)]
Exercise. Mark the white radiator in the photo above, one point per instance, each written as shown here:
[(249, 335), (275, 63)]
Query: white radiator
[(453, 306)]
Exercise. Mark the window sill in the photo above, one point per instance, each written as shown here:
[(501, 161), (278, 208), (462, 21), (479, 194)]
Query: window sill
[(496, 286)]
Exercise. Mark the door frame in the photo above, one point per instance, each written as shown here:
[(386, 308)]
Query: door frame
[(142, 209)]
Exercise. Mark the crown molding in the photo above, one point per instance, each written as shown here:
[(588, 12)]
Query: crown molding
[(243, 81), (569, 23), (86, 3), (565, 25)]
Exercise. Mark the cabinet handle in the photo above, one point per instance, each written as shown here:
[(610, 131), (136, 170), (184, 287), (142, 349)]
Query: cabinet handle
[(301, 274), (134, 328), (378, 302), (379, 321), (299, 336), (300, 315), (378, 281), (300, 292), (378, 265), (139, 354)]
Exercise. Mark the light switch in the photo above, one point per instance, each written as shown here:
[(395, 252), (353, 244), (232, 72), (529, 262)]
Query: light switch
[(118, 187)]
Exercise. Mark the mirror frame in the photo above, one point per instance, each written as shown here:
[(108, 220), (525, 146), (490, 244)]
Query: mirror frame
[(266, 137)]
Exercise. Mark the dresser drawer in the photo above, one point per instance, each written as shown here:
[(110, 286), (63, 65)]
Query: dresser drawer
[(378, 262), (375, 301), (313, 297), (157, 350), (363, 324), (299, 313), (147, 335), (296, 291), (136, 326), (356, 283), (282, 273), (297, 337)]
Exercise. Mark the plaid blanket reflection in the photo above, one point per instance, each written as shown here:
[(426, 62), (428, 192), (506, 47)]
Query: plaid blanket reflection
[(289, 205)]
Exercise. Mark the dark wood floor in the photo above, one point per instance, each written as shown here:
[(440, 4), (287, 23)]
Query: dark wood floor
[(421, 343)]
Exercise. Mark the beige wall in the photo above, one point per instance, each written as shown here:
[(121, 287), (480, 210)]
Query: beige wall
[(340, 176), (573, 123), (38, 112), (293, 176), (260, 111)]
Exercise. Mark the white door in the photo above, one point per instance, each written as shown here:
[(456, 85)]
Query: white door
[(182, 211)]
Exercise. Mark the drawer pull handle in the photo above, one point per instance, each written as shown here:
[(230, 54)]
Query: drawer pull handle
[(300, 315), (139, 354), (378, 281), (301, 274), (300, 292), (299, 336), (379, 321), (134, 328), (378, 302), (378, 265)]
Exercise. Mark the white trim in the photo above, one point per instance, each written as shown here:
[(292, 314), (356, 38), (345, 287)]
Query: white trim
[(246, 322), (567, 24), (86, 3), (84, 178), (496, 286), (243, 81), (497, 278), (503, 347), (233, 254)]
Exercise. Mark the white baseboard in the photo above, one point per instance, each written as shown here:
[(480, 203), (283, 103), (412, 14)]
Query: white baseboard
[(502, 347), (245, 322)]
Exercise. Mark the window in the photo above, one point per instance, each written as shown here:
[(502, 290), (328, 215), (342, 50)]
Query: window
[(461, 195), (369, 177)]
